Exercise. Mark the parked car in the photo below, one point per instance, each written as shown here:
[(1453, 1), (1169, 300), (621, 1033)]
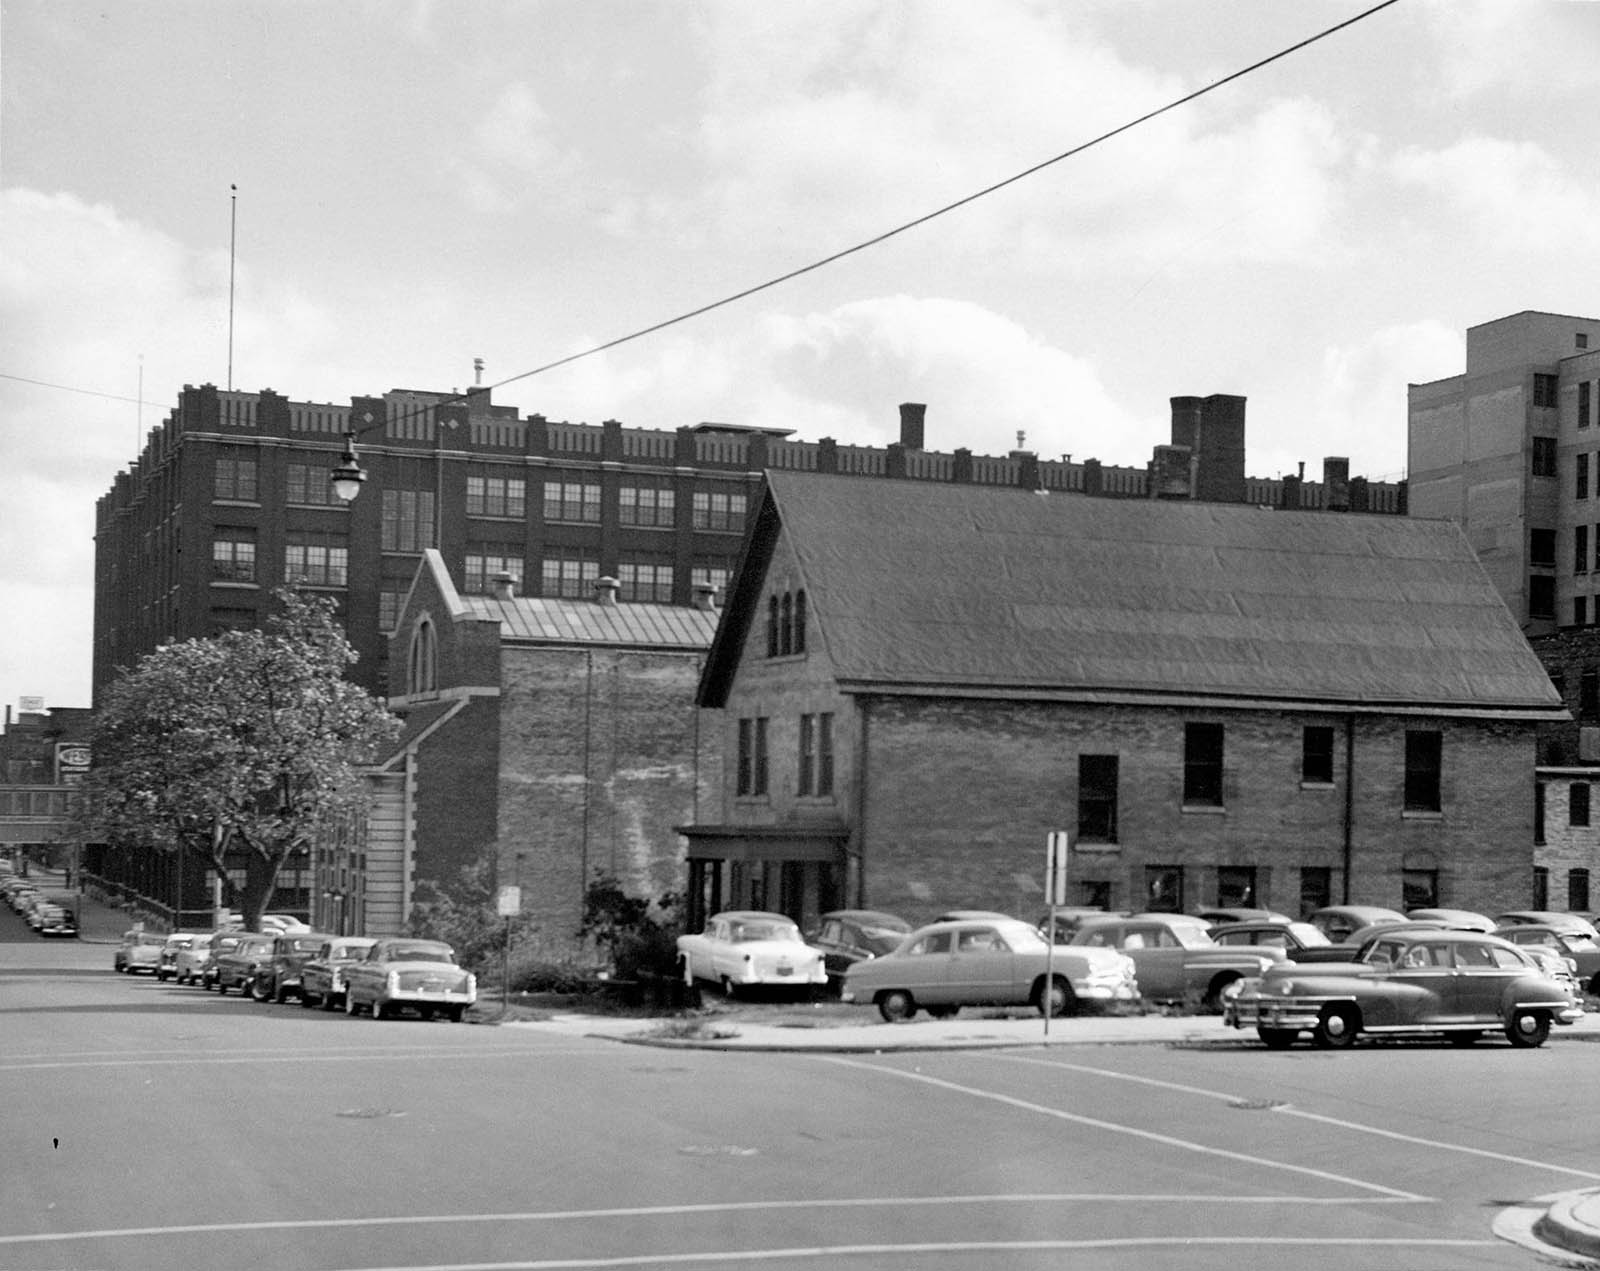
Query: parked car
[(745, 948), (1458, 983), (192, 958), (140, 950), (224, 941), (971, 915), (1339, 922), (401, 973), (847, 936), (1578, 947), (236, 967), (51, 919), (1549, 918), (175, 943), (272, 924), (1294, 938), (1457, 919), (278, 978), (1176, 957), (1070, 917), (988, 962), (1219, 916), (322, 976)]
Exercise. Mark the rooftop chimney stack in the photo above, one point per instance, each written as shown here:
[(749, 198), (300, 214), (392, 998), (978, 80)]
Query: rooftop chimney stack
[(505, 586), (912, 415), (605, 591), (705, 597)]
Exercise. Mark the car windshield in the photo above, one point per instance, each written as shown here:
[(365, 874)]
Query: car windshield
[(746, 931), (1191, 935), (881, 939), (305, 946), (419, 953), (1024, 939), (349, 952)]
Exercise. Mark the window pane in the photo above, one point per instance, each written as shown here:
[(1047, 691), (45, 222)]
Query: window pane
[(1202, 764), (1097, 798), (1316, 758), (1423, 751)]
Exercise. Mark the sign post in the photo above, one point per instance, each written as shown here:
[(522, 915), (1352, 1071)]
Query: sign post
[(508, 903), (1057, 848)]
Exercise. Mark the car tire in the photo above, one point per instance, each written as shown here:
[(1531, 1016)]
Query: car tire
[(258, 991), (161, 977), (379, 1010), (1216, 993), (685, 972), (1276, 1038), (307, 1000), (328, 1003), (728, 990), (457, 1014), (280, 995), (222, 989), (1337, 1027), (350, 1007), (1528, 1028), (1057, 1000), (896, 1005)]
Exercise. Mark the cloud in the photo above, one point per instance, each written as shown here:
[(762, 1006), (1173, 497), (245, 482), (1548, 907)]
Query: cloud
[(512, 155)]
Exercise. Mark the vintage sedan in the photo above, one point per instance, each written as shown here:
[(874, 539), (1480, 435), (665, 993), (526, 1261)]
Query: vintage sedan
[(1547, 917), (747, 948), (988, 962), (1294, 938), (52, 919), (176, 942), (222, 942), (140, 950), (848, 936), (278, 978), (1578, 947), (1177, 958), (403, 973), (1340, 922), (322, 977), (1461, 984), (191, 959), (236, 967)]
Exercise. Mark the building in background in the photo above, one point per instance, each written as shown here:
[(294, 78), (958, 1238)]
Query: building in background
[(44, 753), (231, 497)]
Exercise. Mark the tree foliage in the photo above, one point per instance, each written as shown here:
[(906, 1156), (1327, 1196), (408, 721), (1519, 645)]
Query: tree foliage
[(250, 739)]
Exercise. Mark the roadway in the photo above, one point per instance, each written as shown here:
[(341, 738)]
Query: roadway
[(153, 1126)]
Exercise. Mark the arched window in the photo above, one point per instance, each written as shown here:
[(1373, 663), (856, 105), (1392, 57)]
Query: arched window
[(422, 666), (800, 622), (786, 626), (772, 626)]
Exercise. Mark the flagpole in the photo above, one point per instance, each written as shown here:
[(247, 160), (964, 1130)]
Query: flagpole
[(233, 230)]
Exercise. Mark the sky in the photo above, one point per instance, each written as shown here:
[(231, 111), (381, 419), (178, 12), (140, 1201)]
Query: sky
[(420, 184)]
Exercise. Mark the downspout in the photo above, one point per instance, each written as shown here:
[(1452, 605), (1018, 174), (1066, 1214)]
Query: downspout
[(408, 842), (1348, 828), (588, 742), (861, 807)]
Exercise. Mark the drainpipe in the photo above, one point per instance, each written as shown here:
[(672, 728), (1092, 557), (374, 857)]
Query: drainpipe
[(1349, 800), (859, 835)]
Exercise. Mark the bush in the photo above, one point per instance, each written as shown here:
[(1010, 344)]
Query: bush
[(639, 936)]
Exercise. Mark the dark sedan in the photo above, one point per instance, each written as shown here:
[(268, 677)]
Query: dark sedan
[(236, 968), (848, 936), (1578, 947)]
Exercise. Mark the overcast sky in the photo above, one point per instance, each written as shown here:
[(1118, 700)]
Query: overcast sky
[(420, 184)]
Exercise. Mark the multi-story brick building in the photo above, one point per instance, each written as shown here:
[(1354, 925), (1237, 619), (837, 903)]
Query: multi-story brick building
[(1222, 705), (232, 497)]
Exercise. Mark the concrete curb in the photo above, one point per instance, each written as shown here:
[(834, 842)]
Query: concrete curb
[(1572, 1223)]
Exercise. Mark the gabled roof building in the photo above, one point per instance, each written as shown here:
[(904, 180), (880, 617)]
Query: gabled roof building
[(1221, 704)]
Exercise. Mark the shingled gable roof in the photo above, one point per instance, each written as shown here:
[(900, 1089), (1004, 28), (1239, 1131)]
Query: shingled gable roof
[(971, 590)]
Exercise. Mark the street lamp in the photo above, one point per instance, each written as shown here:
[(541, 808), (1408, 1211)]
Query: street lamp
[(348, 476)]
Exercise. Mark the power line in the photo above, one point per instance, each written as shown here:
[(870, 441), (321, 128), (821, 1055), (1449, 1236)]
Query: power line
[(948, 207)]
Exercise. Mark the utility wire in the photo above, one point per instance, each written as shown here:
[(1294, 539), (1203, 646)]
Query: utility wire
[(948, 207)]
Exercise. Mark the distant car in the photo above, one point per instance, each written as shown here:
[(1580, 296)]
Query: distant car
[(1219, 916), (322, 977), (1459, 983), (1070, 917), (402, 973), (972, 915), (279, 977), (1548, 918), (1176, 956), (236, 967), (221, 942), (1455, 919), (1339, 922), (191, 959), (988, 962), (50, 919), (175, 943), (1578, 947), (139, 951), (847, 936), (1294, 938), (746, 948), (271, 924)]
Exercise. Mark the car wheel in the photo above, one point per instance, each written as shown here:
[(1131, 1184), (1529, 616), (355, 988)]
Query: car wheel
[(1337, 1027), (161, 977), (728, 991), (379, 1010), (258, 990), (350, 1007), (1528, 1028), (427, 1014), (280, 995), (1219, 991), (1059, 1001), (307, 1001), (222, 989), (457, 1013), (1276, 1038), (328, 1003), (1464, 1039), (896, 1005), (685, 972)]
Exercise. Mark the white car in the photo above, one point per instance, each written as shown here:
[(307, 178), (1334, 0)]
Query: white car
[(746, 948)]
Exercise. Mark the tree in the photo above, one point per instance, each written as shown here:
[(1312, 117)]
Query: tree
[(250, 739)]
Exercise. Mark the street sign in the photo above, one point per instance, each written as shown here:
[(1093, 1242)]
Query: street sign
[(1057, 848), (508, 904)]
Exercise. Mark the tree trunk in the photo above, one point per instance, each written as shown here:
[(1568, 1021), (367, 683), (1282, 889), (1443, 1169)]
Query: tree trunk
[(260, 880)]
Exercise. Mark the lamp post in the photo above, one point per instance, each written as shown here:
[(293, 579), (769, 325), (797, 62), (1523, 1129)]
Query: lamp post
[(348, 476)]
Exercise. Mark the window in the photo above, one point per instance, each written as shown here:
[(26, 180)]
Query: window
[(316, 564), (497, 496), (407, 520), (389, 603), (1097, 798), (564, 572), (1541, 596), (311, 483), (1578, 804), (752, 774), (572, 501), (1580, 477), (1163, 889), (1094, 893), (1583, 404), (1544, 456), (1544, 390), (1423, 759), (786, 624), (233, 556), (1541, 887), (234, 479), (422, 662), (483, 563), (1538, 812), (1419, 888), (1578, 889), (1580, 549), (799, 639), (772, 626), (1580, 611), (711, 576), (713, 510), (643, 581), (646, 505), (1541, 547), (1202, 764), (1316, 888), (1316, 756), (1589, 695), (1236, 886), (816, 754)]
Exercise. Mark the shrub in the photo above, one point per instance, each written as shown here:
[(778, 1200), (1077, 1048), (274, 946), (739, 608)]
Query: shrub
[(639, 936)]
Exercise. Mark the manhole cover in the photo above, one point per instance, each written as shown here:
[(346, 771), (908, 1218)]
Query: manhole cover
[(369, 1114)]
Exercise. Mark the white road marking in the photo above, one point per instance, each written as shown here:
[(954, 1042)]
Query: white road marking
[(1165, 1140), (311, 1057), (1291, 1111), (679, 1211)]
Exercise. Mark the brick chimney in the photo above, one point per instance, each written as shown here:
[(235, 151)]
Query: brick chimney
[(505, 586), (912, 415), (605, 591)]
